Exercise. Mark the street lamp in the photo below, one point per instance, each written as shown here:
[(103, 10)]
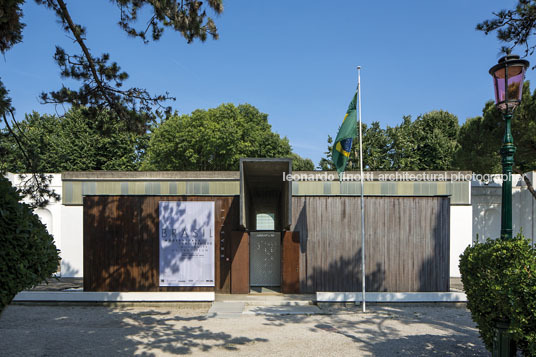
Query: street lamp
[(508, 76)]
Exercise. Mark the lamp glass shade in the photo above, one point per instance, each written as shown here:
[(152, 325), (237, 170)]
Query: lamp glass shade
[(508, 82)]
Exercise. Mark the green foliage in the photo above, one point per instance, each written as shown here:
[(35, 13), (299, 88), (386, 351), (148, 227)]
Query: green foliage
[(428, 143), (102, 90), (375, 147), (301, 164), (480, 138), (375, 150), (480, 141), (326, 163), (499, 278), (5, 101), (27, 252), (77, 141), (213, 139), (514, 27), (102, 80), (187, 17), (10, 24), (435, 134), (524, 131), (402, 145)]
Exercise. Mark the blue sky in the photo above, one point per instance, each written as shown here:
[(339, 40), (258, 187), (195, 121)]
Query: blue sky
[(295, 60)]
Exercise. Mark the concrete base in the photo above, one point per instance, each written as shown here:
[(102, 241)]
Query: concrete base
[(391, 297), (90, 296), (283, 310), (226, 309), (268, 299)]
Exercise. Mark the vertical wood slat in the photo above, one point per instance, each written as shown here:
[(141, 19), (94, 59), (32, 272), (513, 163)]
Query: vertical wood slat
[(407, 243), (331, 226), (121, 244)]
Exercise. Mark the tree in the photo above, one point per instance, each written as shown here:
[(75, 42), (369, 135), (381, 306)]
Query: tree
[(428, 143), (77, 141), (514, 27), (102, 81), (481, 139), (301, 164), (214, 139), (375, 147), (374, 150), (435, 134), (326, 163), (517, 27), (27, 255), (402, 153), (10, 24)]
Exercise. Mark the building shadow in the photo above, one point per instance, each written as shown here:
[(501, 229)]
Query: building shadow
[(389, 330), (106, 331)]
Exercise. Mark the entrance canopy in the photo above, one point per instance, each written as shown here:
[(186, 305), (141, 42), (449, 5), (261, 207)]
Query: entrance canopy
[(264, 193)]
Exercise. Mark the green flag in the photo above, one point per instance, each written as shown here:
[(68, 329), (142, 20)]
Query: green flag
[(347, 132)]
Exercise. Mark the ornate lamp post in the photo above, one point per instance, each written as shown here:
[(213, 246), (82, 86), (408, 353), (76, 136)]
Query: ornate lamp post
[(508, 76)]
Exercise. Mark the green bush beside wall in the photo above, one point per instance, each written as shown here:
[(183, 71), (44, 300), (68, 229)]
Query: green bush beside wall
[(27, 252), (499, 278)]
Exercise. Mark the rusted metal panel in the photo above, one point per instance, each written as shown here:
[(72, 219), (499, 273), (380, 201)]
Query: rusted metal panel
[(290, 263), (239, 262)]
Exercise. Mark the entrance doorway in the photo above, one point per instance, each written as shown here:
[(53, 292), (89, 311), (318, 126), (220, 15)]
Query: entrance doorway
[(265, 204), (265, 259), (265, 254)]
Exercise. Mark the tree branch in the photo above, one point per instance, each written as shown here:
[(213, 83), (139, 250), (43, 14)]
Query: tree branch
[(40, 192), (530, 187), (74, 30)]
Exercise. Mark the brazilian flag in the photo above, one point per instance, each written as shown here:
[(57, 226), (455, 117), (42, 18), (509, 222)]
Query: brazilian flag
[(343, 142)]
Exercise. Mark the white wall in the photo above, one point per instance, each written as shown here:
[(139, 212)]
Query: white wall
[(460, 235), (486, 202), (51, 214), (65, 225), (72, 256)]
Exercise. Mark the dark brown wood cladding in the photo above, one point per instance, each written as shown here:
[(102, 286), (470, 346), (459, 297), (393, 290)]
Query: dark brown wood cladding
[(121, 250), (406, 239)]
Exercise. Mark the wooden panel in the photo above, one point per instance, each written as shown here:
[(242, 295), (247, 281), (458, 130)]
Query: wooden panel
[(406, 239), (239, 263), (121, 251), (290, 263)]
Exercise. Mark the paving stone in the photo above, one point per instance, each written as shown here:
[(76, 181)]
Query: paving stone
[(283, 310), (226, 309)]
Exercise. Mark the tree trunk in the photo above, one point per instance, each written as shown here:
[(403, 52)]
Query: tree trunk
[(530, 187)]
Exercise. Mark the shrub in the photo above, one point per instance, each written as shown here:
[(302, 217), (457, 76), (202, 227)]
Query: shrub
[(27, 252), (499, 278)]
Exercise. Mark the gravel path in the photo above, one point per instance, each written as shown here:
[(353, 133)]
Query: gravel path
[(158, 331)]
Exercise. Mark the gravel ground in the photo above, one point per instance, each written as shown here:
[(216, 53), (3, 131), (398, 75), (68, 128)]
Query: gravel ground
[(36, 330)]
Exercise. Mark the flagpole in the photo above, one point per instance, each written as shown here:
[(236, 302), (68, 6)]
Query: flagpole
[(362, 192)]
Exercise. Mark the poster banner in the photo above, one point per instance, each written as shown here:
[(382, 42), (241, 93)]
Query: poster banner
[(186, 243)]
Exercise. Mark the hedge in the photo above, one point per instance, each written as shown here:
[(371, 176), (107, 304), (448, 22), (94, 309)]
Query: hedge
[(499, 278), (27, 252)]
